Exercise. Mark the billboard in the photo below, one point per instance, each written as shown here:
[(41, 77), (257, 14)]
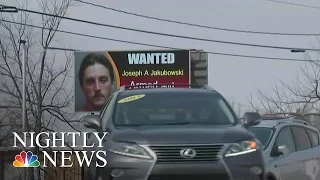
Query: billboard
[(99, 73)]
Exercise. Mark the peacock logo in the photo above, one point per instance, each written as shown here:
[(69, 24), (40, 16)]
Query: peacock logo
[(26, 159)]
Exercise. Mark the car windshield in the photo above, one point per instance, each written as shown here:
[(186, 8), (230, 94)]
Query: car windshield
[(263, 134), (172, 109)]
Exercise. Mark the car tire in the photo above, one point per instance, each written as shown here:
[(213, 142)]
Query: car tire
[(88, 174), (271, 178), (103, 174)]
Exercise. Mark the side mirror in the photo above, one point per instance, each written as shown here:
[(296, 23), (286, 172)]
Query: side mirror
[(283, 150), (92, 122), (280, 150), (251, 119)]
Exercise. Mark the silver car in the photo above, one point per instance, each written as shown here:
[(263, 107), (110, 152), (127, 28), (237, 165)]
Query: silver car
[(291, 149)]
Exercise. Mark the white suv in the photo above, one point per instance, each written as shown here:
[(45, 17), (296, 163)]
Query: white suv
[(291, 149)]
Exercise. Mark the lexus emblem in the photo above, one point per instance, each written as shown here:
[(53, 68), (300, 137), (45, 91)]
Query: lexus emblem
[(188, 153)]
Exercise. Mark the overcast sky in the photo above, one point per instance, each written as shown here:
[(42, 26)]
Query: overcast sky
[(234, 77)]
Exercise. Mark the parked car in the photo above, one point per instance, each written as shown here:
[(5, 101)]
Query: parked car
[(291, 149), (175, 133)]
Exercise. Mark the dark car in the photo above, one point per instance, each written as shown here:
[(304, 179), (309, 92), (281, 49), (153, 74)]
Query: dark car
[(175, 133)]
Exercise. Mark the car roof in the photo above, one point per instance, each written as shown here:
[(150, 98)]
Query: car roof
[(279, 122)]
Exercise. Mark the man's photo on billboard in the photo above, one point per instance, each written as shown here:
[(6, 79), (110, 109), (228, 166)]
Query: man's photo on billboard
[(95, 81)]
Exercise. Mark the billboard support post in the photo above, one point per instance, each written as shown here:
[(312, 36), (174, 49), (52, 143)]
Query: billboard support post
[(199, 67)]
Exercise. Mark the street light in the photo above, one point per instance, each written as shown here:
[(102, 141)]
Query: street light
[(297, 50), (24, 92), (11, 9)]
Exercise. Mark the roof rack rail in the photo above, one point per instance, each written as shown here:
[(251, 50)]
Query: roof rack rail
[(294, 121), (123, 88), (272, 118), (282, 120)]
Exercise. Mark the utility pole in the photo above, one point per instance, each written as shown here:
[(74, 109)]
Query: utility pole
[(24, 113)]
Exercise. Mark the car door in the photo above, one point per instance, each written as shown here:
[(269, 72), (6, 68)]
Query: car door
[(315, 141), (305, 154), (284, 165)]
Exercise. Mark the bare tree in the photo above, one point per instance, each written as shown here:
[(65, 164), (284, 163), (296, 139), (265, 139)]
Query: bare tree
[(235, 106), (49, 97), (232, 102), (8, 124), (239, 108), (297, 99)]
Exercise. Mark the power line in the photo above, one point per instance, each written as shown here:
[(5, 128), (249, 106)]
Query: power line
[(7, 107), (168, 35), (63, 49), (215, 53), (153, 45), (92, 36), (195, 25), (294, 4)]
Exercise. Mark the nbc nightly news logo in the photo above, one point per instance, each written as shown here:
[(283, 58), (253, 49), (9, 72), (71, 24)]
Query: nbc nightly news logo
[(28, 159)]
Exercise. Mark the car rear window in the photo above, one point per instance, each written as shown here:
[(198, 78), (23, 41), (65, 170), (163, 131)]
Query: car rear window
[(172, 108)]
